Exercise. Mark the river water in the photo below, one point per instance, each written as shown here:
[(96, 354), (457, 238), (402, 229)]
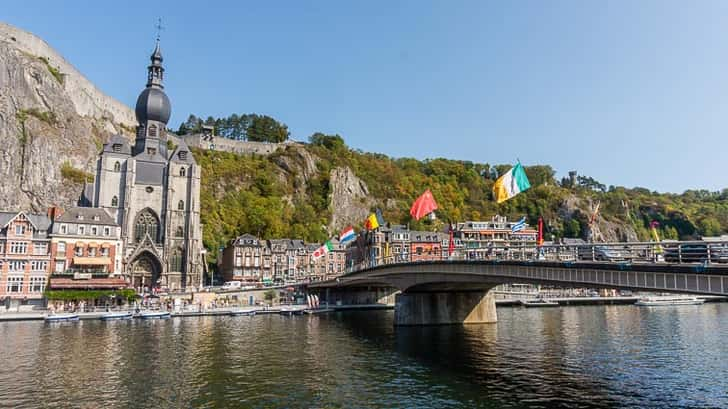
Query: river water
[(594, 356)]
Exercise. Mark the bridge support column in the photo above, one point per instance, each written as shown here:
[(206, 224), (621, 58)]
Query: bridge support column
[(437, 308)]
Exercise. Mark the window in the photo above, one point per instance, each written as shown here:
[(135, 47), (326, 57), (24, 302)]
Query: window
[(182, 172), (60, 266), (15, 285), (61, 247), (107, 231), (63, 229), (116, 147), (94, 230), (117, 166), (147, 224), (38, 265), (40, 249), (153, 130), (114, 201), (257, 261), (92, 251), (79, 251), (37, 284), (247, 260), (176, 260), (79, 216), (97, 218), (180, 232), (17, 266), (151, 151), (238, 261), (181, 205), (182, 155), (18, 247), (104, 252), (19, 229), (81, 229)]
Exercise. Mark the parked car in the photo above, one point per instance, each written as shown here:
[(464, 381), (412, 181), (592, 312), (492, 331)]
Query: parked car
[(232, 285), (686, 253), (600, 253)]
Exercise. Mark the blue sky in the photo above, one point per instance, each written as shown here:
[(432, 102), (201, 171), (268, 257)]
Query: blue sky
[(630, 93)]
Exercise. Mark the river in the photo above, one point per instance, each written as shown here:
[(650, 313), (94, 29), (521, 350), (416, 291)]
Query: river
[(587, 356)]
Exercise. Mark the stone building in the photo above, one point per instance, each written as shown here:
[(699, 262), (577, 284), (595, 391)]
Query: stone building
[(24, 257), (152, 190)]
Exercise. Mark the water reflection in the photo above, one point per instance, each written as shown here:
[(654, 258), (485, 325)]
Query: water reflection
[(608, 356)]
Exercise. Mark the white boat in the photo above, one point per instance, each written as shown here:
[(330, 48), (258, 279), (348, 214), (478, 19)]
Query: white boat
[(539, 302), (61, 317), (242, 312), (116, 315), (669, 300), (146, 315)]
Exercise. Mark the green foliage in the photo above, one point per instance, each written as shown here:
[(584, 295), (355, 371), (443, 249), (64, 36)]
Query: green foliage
[(48, 117), (268, 197), (72, 174), (55, 72), (251, 127), (269, 295), (171, 146), (77, 295)]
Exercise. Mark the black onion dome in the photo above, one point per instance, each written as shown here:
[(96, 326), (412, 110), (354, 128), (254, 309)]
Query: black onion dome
[(153, 105)]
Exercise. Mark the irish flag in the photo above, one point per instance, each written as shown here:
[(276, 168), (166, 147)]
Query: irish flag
[(510, 184), (321, 251), (347, 235)]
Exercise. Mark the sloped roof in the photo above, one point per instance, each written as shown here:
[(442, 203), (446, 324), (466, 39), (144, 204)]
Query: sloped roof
[(40, 221), (120, 140), (71, 216)]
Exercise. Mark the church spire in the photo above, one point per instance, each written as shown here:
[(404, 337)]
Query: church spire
[(155, 70)]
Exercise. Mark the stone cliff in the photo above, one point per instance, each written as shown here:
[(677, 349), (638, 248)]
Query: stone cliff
[(52, 124)]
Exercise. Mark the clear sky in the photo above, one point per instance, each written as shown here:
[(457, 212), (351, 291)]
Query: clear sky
[(632, 93)]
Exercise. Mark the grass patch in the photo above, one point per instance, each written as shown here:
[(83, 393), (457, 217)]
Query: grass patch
[(48, 117), (55, 72), (73, 295), (72, 174)]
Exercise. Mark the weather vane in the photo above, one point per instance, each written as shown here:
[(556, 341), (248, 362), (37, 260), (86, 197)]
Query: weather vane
[(159, 27)]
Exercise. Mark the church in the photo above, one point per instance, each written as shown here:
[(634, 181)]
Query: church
[(152, 190)]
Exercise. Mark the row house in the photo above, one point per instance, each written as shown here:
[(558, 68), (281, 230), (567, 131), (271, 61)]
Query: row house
[(24, 257), (477, 240), (428, 246), (278, 261), (86, 250)]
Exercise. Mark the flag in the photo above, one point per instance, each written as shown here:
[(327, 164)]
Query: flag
[(425, 204), (519, 225), (451, 244), (321, 251), (510, 184), (347, 235), (371, 222), (380, 218)]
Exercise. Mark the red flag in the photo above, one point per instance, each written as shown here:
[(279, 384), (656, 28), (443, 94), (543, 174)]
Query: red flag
[(424, 205)]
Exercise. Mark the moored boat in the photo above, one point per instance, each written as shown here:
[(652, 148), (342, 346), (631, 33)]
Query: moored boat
[(61, 317), (539, 302), (669, 300), (146, 315), (116, 315), (248, 313)]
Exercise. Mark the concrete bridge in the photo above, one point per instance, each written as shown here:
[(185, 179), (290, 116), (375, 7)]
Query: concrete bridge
[(458, 291)]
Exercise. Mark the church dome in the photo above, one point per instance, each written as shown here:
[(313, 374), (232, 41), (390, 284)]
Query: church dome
[(153, 105)]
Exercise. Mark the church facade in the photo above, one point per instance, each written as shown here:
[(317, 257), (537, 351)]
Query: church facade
[(152, 190)]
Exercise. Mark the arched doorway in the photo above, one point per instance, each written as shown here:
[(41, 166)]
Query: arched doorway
[(146, 272)]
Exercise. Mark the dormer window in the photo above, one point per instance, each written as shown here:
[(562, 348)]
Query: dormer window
[(116, 148), (153, 130), (79, 216), (151, 151), (182, 155), (96, 217)]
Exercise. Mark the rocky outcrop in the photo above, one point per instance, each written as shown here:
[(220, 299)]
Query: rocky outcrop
[(349, 199), (602, 230), (52, 124)]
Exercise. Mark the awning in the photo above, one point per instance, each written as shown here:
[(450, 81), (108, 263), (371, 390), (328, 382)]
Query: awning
[(91, 261), (105, 245), (90, 284), (92, 244)]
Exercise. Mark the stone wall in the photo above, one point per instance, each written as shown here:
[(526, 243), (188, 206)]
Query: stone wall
[(229, 145)]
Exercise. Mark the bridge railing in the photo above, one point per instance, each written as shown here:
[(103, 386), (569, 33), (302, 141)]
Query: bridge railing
[(669, 252)]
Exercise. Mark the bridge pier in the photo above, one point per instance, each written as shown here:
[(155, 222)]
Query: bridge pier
[(445, 307)]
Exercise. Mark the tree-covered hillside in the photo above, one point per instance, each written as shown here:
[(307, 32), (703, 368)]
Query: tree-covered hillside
[(275, 196)]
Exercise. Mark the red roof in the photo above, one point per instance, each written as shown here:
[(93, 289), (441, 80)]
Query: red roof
[(90, 284)]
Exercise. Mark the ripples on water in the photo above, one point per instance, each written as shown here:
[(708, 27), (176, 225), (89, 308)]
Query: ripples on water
[(601, 356)]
